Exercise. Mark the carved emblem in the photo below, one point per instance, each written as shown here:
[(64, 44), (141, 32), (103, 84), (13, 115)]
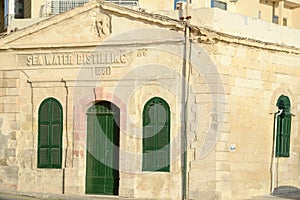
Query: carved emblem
[(102, 25)]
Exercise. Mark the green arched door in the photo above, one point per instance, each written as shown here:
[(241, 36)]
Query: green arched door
[(102, 154)]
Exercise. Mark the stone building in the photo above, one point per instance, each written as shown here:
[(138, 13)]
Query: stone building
[(107, 100)]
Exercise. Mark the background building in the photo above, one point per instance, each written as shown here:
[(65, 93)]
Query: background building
[(283, 12)]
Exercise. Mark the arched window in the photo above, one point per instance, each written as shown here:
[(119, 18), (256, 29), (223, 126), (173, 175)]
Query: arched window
[(283, 127), (156, 136), (50, 134)]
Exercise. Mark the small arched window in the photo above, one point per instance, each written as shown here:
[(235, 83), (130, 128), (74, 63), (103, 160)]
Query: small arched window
[(283, 127), (50, 134), (156, 136)]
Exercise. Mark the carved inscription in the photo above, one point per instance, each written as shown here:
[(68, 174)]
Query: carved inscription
[(95, 58), (101, 58), (40, 60), (102, 71), (102, 62), (142, 53)]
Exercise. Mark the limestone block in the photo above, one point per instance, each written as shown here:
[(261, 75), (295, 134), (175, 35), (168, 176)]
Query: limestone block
[(13, 161), (223, 166), (225, 60), (10, 152), (26, 182), (9, 83), (254, 74), (207, 195), (11, 144), (12, 91), (9, 177), (223, 186), (15, 126), (11, 74), (241, 52), (11, 108), (3, 162), (206, 174), (200, 88), (222, 146), (222, 176), (50, 184), (26, 162), (222, 156), (246, 83), (9, 99)]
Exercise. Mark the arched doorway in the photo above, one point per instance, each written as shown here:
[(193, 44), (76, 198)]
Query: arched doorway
[(102, 149)]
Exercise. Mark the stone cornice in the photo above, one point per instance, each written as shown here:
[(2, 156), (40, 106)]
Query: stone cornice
[(209, 36)]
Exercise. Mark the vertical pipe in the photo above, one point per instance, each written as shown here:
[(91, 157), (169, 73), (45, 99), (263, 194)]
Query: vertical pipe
[(274, 151), (66, 130), (32, 117), (185, 88)]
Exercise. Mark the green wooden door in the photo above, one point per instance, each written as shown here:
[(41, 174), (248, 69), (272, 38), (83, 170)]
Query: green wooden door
[(102, 156)]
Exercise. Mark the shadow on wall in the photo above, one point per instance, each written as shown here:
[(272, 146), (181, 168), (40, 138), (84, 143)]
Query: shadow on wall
[(286, 191)]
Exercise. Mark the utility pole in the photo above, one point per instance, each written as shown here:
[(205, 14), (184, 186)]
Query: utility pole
[(185, 88)]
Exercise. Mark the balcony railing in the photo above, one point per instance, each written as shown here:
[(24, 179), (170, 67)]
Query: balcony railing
[(54, 7), (131, 3)]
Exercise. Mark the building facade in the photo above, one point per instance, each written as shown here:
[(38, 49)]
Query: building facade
[(19, 13), (107, 100)]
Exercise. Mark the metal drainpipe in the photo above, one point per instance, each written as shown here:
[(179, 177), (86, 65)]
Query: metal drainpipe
[(185, 89), (32, 117), (66, 129), (274, 152)]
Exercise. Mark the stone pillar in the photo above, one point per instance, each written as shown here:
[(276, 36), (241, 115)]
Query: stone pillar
[(280, 12)]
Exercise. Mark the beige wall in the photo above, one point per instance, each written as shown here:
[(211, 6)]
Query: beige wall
[(156, 5), (296, 16), (36, 8)]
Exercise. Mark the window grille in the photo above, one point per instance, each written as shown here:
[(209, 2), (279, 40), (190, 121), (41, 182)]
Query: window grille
[(125, 2), (60, 6)]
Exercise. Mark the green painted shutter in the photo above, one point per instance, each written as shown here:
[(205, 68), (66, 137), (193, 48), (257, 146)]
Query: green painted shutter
[(156, 136), (283, 131), (283, 135), (50, 134)]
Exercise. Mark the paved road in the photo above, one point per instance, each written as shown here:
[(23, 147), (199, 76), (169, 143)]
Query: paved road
[(40, 196)]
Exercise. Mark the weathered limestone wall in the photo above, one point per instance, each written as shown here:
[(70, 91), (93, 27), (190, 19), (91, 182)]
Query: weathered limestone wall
[(255, 79), (77, 87), (10, 128)]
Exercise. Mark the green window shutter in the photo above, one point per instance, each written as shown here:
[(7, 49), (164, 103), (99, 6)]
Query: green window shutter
[(283, 135), (50, 134), (283, 131), (156, 135)]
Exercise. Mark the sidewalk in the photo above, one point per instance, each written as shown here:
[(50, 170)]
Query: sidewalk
[(35, 195), (285, 196)]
